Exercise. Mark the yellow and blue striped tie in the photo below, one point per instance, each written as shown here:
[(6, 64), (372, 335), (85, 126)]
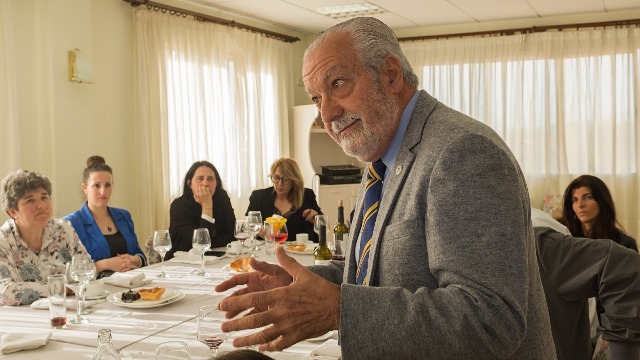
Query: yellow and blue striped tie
[(373, 190)]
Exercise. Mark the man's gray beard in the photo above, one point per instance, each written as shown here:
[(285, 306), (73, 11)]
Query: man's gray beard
[(364, 141)]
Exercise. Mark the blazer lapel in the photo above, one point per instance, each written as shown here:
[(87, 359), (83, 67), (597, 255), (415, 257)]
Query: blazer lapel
[(397, 176)]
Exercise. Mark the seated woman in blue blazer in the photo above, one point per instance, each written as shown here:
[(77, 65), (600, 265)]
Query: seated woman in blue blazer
[(106, 232), (289, 198)]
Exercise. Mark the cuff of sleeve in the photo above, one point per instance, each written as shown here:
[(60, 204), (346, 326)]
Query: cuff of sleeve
[(208, 218), (624, 350)]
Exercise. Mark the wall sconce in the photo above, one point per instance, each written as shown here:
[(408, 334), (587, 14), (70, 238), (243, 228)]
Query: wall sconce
[(80, 68)]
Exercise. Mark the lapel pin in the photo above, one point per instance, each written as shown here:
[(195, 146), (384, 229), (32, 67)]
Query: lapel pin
[(398, 169)]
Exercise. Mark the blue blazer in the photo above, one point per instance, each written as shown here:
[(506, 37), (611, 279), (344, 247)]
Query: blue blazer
[(92, 238)]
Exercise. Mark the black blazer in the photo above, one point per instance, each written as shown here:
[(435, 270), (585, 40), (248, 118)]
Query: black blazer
[(185, 216), (262, 200)]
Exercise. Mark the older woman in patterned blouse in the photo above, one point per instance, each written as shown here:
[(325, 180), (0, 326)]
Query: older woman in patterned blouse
[(32, 244)]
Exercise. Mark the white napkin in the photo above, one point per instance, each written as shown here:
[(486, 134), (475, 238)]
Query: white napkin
[(10, 343), (328, 350), (190, 258), (72, 304), (126, 280)]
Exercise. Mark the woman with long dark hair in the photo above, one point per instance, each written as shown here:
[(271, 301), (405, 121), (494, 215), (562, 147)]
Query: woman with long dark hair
[(588, 211), (203, 204)]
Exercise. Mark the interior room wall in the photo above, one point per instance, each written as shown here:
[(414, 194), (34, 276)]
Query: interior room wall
[(62, 122)]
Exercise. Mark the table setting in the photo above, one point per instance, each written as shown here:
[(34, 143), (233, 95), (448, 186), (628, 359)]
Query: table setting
[(139, 327)]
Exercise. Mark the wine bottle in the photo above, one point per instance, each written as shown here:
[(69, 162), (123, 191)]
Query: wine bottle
[(322, 253), (341, 230)]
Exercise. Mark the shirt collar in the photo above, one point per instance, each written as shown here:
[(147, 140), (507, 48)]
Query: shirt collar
[(389, 158)]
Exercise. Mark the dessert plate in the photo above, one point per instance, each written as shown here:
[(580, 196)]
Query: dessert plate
[(230, 270), (308, 250), (169, 296)]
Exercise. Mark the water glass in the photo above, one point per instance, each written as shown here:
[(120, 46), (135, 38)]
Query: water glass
[(57, 300), (82, 270), (254, 219), (172, 350), (162, 244), (242, 232), (320, 220), (200, 244), (269, 241)]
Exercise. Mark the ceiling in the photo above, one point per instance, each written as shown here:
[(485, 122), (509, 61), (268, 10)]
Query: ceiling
[(299, 15)]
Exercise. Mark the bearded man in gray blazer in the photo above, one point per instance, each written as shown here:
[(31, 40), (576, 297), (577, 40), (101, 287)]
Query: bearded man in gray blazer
[(452, 270)]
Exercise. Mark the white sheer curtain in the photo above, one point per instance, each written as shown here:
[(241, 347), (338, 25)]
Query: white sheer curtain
[(565, 103), (206, 92), (10, 143)]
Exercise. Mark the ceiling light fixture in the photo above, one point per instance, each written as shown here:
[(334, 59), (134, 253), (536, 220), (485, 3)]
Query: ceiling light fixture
[(349, 11)]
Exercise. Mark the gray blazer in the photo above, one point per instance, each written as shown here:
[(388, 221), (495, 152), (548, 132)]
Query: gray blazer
[(453, 271)]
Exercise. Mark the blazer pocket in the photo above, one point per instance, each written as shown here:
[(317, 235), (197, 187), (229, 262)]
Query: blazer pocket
[(404, 229), (402, 256)]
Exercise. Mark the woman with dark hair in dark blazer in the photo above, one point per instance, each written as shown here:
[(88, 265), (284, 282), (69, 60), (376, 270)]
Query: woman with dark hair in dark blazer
[(588, 211), (288, 198), (203, 204)]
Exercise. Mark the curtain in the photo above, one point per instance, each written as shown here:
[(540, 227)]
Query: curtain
[(564, 102), (206, 92), (10, 144)]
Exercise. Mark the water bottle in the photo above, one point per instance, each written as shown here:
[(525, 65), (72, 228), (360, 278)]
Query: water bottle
[(105, 350)]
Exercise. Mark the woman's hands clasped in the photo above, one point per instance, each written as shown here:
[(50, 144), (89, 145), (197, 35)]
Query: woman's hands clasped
[(291, 301), (120, 263)]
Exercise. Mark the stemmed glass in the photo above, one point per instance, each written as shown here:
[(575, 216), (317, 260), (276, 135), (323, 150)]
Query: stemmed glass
[(254, 219), (201, 243), (172, 350), (210, 332), (81, 270), (162, 244), (242, 233), (318, 221), (278, 234)]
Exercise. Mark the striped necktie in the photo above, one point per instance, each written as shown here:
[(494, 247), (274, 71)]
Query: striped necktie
[(373, 190)]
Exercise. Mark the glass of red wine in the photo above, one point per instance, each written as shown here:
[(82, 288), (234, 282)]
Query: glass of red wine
[(280, 235), (210, 333)]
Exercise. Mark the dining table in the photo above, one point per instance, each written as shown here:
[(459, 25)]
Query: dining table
[(137, 331)]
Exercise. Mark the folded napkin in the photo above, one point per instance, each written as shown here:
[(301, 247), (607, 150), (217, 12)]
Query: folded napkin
[(126, 280), (72, 304), (191, 258), (10, 343), (328, 350)]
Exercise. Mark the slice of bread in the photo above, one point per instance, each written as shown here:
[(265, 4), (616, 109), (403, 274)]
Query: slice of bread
[(151, 294)]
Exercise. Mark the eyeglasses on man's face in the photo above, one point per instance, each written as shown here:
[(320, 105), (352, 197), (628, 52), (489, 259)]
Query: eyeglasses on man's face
[(276, 179)]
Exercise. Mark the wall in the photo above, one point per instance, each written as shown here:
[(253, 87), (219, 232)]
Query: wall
[(61, 122)]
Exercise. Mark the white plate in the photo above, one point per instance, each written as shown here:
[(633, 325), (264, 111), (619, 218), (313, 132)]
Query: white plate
[(321, 337), (228, 269), (104, 294), (169, 296), (307, 251)]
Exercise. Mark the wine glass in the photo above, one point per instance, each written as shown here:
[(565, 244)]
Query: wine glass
[(242, 233), (172, 350), (82, 270), (278, 233), (162, 244), (74, 285), (201, 243), (318, 221), (254, 219), (210, 333)]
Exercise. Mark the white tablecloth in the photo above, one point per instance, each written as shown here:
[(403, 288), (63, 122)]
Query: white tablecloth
[(136, 332)]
